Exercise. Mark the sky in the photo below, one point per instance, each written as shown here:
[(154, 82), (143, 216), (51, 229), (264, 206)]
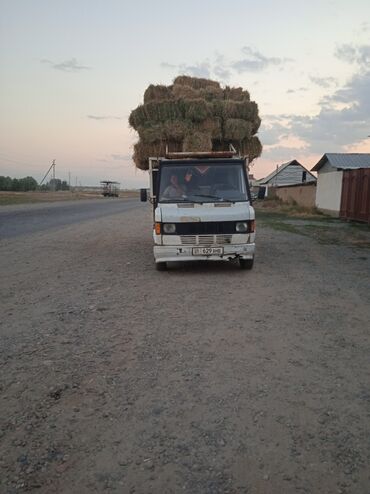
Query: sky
[(72, 70)]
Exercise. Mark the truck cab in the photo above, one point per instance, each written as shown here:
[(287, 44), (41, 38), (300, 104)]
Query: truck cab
[(202, 209)]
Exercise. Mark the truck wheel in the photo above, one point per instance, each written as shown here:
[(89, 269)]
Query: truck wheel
[(161, 266), (246, 263)]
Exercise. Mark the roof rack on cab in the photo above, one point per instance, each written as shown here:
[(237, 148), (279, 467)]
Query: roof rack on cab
[(201, 154)]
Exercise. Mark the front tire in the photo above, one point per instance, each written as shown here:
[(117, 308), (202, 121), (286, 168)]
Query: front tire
[(161, 266), (246, 263)]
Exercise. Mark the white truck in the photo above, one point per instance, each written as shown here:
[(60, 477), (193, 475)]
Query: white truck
[(202, 208)]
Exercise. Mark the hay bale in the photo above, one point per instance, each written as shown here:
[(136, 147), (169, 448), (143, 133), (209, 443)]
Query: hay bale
[(196, 110), (236, 129), (211, 93), (197, 141), (256, 125), (176, 130), (195, 82), (195, 114), (246, 110), (212, 126), (184, 92), (143, 151), (151, 133), (236, 94), (250, 147), (157, 93), (156, 112)]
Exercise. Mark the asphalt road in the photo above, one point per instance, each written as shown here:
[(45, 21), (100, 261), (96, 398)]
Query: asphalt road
[(27, 219)]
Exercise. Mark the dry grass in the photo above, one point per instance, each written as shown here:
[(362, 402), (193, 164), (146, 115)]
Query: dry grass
[(9, 198), (312, 223)]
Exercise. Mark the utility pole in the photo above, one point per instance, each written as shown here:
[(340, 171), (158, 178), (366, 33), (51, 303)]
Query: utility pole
[(52, 166), (54, 184), (69, 180)]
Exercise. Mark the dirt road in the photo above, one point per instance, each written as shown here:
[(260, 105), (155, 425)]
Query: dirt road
[(201, 379)]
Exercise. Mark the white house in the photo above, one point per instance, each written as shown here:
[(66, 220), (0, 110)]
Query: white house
[(330, 178)]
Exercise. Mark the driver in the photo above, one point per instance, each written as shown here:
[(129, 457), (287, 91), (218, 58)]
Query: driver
[(174, 189)]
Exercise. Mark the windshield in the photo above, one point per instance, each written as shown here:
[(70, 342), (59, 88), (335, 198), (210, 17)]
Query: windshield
[(202, 183)]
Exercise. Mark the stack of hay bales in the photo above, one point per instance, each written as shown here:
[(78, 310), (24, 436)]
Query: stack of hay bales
[(195, 114)]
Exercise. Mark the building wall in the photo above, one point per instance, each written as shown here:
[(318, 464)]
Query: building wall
[(291, 174), (303, 195), (329, 191)]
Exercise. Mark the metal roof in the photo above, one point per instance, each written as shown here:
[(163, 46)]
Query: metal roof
[(344, 161), (279, 169)]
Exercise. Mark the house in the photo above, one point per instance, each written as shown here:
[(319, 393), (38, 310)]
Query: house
[(291, 173), (343, 185)]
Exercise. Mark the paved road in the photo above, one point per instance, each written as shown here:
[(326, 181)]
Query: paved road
[(26, 219)]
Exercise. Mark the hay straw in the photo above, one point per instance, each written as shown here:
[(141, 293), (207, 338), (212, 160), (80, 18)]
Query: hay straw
[(197, 141), (236, 129), (236, 94), (143, 151), (211, 93), (195, 114), (157, 93), (184, 92), (195, 82), (212, 126), (197, 110)]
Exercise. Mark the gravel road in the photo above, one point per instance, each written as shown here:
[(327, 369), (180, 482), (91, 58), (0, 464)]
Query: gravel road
[(203, 379)]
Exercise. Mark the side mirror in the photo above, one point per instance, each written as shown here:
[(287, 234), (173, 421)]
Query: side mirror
[(143, 195)]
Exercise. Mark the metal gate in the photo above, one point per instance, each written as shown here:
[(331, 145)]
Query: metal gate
[(355, 201)]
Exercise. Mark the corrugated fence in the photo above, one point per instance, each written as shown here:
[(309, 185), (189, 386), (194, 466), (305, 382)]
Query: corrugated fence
[(355, 202)]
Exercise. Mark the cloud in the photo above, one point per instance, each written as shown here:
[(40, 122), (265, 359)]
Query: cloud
[(344, 118), (103, 117), (254, 61), (222, 73), (354, 54), (67, 66), (166, 65), (219, 66), (121, 157), (282, 154), (325, 82), (300, 89), (202, 69)]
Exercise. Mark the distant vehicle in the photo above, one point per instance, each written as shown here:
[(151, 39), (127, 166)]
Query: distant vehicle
[(109, 188)]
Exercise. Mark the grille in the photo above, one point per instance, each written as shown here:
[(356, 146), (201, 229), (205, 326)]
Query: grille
[(188, 239), (206, 228), (205, 239)]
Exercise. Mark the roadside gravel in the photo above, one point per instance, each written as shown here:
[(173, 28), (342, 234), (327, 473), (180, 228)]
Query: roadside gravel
[(201, 379)]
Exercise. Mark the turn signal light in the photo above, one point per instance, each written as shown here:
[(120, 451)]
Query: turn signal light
[(157, 228), (252, 226)]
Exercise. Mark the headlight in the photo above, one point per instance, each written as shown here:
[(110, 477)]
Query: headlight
[(169, 228), (241, 227)]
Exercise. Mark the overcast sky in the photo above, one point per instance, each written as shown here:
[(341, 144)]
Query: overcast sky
[(72, 70)]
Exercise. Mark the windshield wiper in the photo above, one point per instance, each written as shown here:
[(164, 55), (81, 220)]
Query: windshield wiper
[(173, 199), (212, 197)]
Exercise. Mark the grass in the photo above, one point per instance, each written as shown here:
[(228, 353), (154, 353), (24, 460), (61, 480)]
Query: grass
[(13, 198), (312, 223)]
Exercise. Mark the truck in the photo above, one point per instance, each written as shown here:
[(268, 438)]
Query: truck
[(202, 208), (109, 188)]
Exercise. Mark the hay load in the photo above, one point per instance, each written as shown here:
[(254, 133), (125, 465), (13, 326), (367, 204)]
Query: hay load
[(195, 114)]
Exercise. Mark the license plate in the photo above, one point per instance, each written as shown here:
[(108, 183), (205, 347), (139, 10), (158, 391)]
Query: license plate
[(208, 251)]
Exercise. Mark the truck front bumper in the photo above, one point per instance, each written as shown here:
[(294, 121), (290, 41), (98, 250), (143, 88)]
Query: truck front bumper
[(170, 253)]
